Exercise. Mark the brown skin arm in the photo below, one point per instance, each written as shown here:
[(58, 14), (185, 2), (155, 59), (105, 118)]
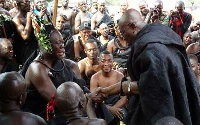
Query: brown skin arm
[(81, 65), (93, 22), (76, 49), (111, 46), (115, 89), (37, 75), (24, 32), (93, 83), (77, 23), (190, 49), (72, 22)]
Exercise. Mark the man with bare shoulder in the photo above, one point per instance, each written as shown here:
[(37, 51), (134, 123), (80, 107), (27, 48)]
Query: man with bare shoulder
[(12, 98), (73, 104), (24, 46), (107, 77), (83, 15), (65, 10), (90, 64), (101, 16)]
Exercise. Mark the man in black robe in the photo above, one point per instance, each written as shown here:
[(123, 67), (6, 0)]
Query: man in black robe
[(160, 70)]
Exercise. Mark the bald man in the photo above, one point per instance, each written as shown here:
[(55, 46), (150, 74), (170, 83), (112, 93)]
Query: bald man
[(72, 103), (82, 16), (159, 69), (12, 98), (101, 16)]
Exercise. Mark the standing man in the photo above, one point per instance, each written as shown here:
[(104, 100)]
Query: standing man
[(180, 20), (144, 9), (123, 9), (160, 71), (65, 10), (23, 46), (94, 7), (101, 16), (82, 16)]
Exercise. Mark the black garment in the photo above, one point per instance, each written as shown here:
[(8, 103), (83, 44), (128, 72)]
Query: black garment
[(104, 46), (105, 19), (24, 48), (35, 103), (68, 41), (167, 84), (6, 30), (9, 66), (120, 53)]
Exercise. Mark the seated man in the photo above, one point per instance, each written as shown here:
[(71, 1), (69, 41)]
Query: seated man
[(104, 37), (6, 56), (81, 38), (107, 77), (72, 103), (12, 98), (89, 65)]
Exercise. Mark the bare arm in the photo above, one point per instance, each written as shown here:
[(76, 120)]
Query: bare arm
[(76, 49), (37, 75), (77, 23), (110, 46), (72, 22), (93, 22), (81, 65), (24, 32), (93, 82)]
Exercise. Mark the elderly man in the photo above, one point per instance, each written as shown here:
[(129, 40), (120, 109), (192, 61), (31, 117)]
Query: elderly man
[(160, 71), (73, 104), (12, 98)]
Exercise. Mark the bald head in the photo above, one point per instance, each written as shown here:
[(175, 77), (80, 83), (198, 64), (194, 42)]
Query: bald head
[(130, 24), (68, 96), (12, 85)]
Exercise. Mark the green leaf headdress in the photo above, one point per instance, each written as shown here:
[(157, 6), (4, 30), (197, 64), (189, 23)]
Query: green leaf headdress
[(42, 29)]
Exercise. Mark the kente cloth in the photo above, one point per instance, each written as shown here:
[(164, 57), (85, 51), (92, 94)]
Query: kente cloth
[(166, 82)]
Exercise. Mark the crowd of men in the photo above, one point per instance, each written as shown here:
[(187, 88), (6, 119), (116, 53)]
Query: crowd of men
[(93, 67)]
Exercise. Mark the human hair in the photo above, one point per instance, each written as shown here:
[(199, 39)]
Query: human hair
[(3, 40), (63, 16), (180, 3), (159, 2), (192, 56), (105, 52)]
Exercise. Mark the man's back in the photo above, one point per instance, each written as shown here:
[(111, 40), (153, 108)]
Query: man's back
[(88, 121), (20, 118)]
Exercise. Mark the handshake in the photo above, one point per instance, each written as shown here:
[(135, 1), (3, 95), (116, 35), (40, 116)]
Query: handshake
[(125, 87)]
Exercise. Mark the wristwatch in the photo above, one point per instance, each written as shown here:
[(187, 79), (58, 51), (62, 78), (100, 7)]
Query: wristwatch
[(129, 87)]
